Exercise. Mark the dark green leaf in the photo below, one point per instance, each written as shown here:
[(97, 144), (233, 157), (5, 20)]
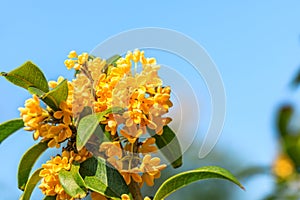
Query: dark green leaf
[(283, 119), (9, 127), (54, 97), (169, 145), (89, 124), (27, 162), (103, 178), (33, 180), (185, 178), (49, 198), (72, 182), (27, 75), (291, 145)]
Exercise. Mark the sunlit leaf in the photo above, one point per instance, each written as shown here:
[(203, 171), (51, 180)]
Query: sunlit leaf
[(32, 182), (54, 97), (110, 61), (27, 75), (72, 182), (36, 91), (9, 127), (89, 124), (185, 178), (27, 162), (103, 178)]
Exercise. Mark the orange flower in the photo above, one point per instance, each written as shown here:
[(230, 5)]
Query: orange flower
[(147, 146), (57, 134), (131, 174), (111, 149), (283, 167), (33, 114), (151, 168), (65, 113), (50, 184), (131, 133)]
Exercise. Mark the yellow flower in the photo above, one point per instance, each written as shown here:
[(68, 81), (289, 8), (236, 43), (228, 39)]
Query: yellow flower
[(131, 174), (75, 61), (80, 156), (131, 133), (65, 113), (72, 54), (111, 149), (112, 121), (125, 197), (69, 63), (147, 146), (33, 114), (56, 134), (156, 122), (283, 167), (82, 58), (50, 184), (151, 168), (54, 84), (95, 67), (82, 95)]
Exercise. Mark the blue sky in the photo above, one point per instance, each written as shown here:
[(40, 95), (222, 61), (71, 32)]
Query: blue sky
[(255, 45)]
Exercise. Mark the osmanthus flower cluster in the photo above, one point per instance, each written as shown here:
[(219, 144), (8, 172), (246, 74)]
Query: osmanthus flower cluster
[(109, 122), (143, 100)]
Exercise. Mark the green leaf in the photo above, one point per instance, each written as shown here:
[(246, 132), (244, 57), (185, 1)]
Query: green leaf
[(27, 162), (169, 145), (110, 61), (9, 127), (185, 178), (291, 145), (27, 75), (54, 97), (101, 177), (49, 198), (36, 91), (89, 124), (283, 119), (32, 182), (72, 182)]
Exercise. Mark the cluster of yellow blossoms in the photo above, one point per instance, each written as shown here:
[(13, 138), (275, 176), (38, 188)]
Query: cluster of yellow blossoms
[(131, 83), (50, 185), (283, 167), (53, 128), (144, 100)]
